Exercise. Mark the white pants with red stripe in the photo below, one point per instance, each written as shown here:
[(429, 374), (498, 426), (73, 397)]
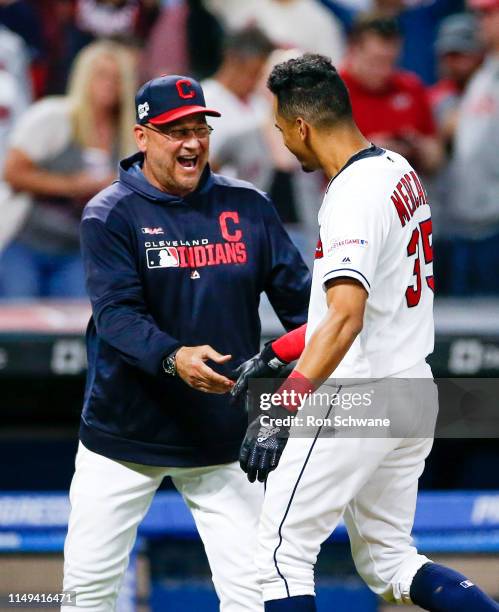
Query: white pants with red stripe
[(110, 498), (369, 482)]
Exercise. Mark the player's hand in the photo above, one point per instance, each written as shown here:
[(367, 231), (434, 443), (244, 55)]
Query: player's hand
[(265, 364), (262, 448), (192, 369)]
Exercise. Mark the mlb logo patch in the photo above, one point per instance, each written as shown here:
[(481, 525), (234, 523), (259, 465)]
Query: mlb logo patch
[(152, 231), (466, 584), (143, 110), (164, 257)]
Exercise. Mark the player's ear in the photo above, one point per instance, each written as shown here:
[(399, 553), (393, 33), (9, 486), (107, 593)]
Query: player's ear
[(140, 138), (302, 126)]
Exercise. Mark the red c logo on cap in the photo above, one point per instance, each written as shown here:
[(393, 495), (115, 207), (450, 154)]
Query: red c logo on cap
[(184, 88)]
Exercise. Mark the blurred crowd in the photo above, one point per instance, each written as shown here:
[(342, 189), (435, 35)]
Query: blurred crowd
[(423, 76)]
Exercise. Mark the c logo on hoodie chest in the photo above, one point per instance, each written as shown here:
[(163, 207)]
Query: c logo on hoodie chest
[(226, 233)]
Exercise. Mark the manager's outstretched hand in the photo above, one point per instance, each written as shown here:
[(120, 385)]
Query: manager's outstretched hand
[(192, 369), (265, 364)]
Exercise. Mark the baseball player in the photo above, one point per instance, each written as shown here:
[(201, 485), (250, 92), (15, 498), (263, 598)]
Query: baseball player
[(370, 317), (176, 258)]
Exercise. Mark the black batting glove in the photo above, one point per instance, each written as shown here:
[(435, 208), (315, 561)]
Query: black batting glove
[(266, 364), (262, 446)]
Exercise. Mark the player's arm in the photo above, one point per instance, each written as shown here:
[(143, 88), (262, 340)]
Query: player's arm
[(346, 301)]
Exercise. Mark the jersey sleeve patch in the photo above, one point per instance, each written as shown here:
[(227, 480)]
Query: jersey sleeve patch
[(341, 243), (347, 256)]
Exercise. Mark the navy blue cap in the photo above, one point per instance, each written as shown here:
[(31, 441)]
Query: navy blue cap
[(168, 98), (459, 33)]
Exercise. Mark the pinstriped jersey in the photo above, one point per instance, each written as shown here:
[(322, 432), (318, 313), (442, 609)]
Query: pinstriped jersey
[(375, 227)]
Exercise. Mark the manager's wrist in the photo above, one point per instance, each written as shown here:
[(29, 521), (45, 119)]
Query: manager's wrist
[(169, 363)]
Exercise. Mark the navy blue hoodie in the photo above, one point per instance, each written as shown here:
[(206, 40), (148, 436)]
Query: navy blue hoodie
[(164, 271)]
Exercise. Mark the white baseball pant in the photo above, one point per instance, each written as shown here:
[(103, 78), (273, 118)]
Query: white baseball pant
[(110, 498), (370, 482)]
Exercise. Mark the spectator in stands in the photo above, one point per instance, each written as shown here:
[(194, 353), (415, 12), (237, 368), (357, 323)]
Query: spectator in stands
[(63, 151), (15, 84), (419, 21), (300, 24), (460, 53), (15, 59), (15, 96), (186, 39), (70, 25), (390, 106), (238, 143), (52, 72), (475, 195), (107, 18), (12, 105), (120, 20), (23, 18)]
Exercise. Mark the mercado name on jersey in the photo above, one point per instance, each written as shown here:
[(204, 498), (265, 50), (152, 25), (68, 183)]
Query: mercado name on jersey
[(408, 196)]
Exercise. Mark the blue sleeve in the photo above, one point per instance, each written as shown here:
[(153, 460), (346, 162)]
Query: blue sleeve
[(114, 287), (441, 8), (288, 281), (343, 13)]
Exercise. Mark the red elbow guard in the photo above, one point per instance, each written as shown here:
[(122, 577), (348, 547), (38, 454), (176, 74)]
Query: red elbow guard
[(290, 346)]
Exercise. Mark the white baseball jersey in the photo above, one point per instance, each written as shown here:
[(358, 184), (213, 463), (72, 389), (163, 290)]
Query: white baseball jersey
[(375, 227)]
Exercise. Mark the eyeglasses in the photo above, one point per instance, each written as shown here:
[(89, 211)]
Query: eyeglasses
[(180, 134)]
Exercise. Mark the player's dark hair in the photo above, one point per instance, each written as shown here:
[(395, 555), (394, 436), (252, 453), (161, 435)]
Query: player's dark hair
[(374, 23), (310, 87), (249, 41)]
